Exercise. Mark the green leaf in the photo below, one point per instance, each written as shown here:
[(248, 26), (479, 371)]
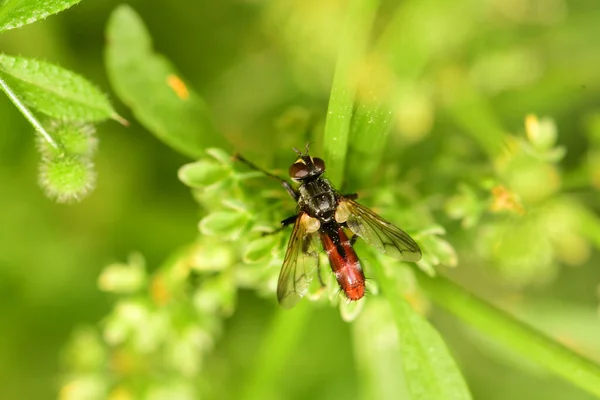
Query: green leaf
[(429, 369), (378, 359), (223, 223), (212, 255), (512, 333), (203, 173), (259, 249), (341, 101), (55, 91), (149, 84), (16, 13), (124, 277)]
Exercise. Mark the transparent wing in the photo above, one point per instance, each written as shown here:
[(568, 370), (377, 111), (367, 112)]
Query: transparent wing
[(377, 232), (301, 261)]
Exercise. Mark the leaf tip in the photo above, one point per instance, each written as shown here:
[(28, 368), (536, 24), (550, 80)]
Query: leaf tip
[(120, 119)]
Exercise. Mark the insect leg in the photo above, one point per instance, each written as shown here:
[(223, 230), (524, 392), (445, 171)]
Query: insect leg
[(290, 190), (284, 224), (319, 271), (288, 221), (353, 239), (283, 182), (351, 196)]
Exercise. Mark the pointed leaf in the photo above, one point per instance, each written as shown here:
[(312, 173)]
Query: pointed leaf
[(378, 359), (16, 13), (148, 83), (203, 173), (429, 369), (55, 91)]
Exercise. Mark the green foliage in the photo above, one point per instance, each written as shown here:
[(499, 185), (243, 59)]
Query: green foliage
[(429, 370), (341, 102), (54, 91), (16, 13), (66, 169), (425, 121), (66, 173), (516, 335), (147, 83), (230, 252), (67, 178)]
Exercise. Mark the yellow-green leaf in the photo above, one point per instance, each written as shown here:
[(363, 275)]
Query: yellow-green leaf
[(149, 84), (16, 13), (55, 91)]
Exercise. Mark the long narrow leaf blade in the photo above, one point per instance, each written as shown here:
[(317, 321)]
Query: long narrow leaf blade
[(429, 369), (16, 13), (341, 101), (377, 352), (148, 83), (55, 91), (528, 342)]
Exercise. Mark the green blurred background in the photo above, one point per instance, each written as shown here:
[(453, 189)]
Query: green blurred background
[(254, 62)]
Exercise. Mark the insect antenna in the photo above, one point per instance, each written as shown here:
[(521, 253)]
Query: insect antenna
[(283, 182)]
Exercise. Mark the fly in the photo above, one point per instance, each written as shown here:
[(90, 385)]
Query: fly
[(325, 215)]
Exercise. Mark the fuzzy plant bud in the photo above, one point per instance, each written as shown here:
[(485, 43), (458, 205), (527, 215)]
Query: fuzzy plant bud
[(75, 138), (67, 179)]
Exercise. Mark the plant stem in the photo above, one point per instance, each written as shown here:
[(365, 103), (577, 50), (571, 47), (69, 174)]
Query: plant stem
[(27, 113), (341, 101), (512, 333)]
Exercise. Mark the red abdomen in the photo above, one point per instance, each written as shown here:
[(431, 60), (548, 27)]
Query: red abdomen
[(344, 262)]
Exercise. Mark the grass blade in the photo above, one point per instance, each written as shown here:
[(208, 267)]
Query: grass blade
[(343, 91)]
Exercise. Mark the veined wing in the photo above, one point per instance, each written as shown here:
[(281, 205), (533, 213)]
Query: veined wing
[(377, 232), (301, 261)]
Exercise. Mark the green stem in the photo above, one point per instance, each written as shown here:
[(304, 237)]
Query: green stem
[(341, 101), (27, 113), (273, 354), (512, 333)]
